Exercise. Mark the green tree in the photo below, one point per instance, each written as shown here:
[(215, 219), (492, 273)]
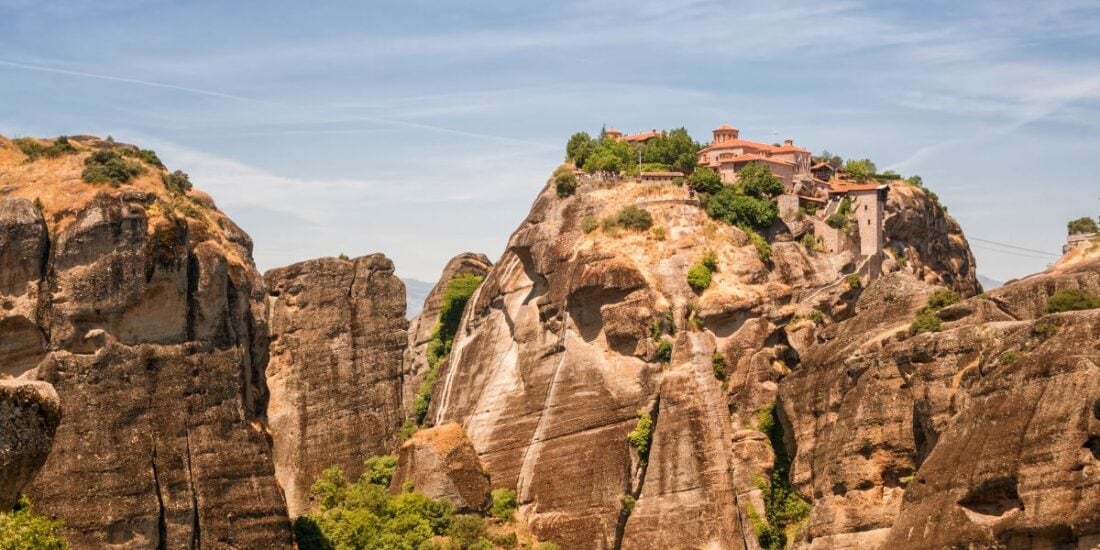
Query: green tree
[(609, 157), (634, 217), (736, 209), (757, 180), (579, 147), (1082, 225), (674, 148), (860, 169), (705, 180)]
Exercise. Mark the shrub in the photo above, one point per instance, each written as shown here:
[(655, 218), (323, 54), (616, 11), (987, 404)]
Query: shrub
[(177, 182), (457, 294), (38, 204), (705, 180), (22, 529), (504, 504), (810, 242), (589, 224), (763, 249), (698, 277), (664, 351), (548, 546), (658, 233), (817, 317), (1082, 225), (718, 362), (757, 180), (784, 509), (1071, 299), (467, 530), (407, 430), (1044, 329), (379, 470), (710, 260), (854, 282), (36, 150), (144, 155), (915, 181), (343, 256), (1009, 358), (107, 166), (634, 217), (628, 503), (642, 436), (565, 183), (943, 298), (741, 210), (926, 321)]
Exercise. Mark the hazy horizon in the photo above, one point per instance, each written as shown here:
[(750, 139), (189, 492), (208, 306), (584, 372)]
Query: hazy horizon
[(423, 131)]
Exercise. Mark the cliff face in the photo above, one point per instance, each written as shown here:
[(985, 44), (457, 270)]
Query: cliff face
[(560, 350), (338, 333), (919, 230), (415, 363), (29, 414), (142, 307)]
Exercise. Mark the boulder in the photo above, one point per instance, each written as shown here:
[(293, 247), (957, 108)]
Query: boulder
[(29, 415), (441, 463)]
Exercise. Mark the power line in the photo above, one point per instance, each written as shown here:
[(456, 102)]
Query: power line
[(1011, 253), (1015, 247)]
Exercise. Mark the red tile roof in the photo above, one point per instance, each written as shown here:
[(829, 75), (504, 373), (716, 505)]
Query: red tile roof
[(735, 143), (755, 157), (644, 136), (838, 187), (724, 127), (790, 149)]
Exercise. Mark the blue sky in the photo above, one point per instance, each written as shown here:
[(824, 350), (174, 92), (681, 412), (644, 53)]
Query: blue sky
[(424, 129)]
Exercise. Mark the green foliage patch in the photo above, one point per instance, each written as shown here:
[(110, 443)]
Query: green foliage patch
[(1082, 225), (455, 297), (634, 217), (1071, 299), (22, 529), (504, 504), (108, 166), (641, 437), (785, 511), (699, 277), (36, 150)]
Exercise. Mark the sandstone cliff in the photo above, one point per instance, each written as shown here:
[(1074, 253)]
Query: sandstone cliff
[(563, 351), (415, 364), (29, 414), (338, 333), (140, 304)]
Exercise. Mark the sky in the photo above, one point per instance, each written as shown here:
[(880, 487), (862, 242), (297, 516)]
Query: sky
[(425, 129)]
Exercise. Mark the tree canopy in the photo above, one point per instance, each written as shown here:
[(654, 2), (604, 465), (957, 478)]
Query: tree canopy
[(579, 147), (742, 210), (860, 169), (674, 148), (1082, 225), (757, 180), (705, 180)]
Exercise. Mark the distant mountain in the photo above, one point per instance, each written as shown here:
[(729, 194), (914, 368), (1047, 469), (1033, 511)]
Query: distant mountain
[(989, 284), (415, 293)]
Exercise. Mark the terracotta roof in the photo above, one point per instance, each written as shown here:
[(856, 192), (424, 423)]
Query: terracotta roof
[(724, 127), (790, 149), (822, 165), (754, 157), (735, 143), (845, 187), (612, 131), (644, 136)]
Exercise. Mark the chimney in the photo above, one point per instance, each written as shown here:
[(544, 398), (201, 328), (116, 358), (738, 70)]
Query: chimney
[(788, 142)]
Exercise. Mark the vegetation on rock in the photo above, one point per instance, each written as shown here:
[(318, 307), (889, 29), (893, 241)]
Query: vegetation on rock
[(565, 181), (36, 150), (455, 297), (1071, 299), (860, 169), (927, 320), (108, 166), (22, 529), (634, 217), (504, 504), (785, 511), (641, 437), (177, 182), (705, 180), (698, 277), (1082, 225)]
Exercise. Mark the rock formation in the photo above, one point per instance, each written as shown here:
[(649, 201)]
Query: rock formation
[(338, 332), (29, 414), (560, 350), (415, 363), (441, 462), (140, 304)]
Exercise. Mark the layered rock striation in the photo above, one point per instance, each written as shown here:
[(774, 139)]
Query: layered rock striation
[(338, 333), (140, 304)]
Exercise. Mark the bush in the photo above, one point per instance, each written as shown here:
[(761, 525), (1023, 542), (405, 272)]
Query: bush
[(664, 351), (1082, 225), (926, 321), (915, 181), (705, 180), (698, 277), (107, 166), (457, 294), (658, 233), (628, 504), (1071, 299), (642, 435), (144, 155), (757, 180), (854, 282), (36, 150), (379, 470), (589, 224), (1010, 358), (710, 260), (177, 182), (718, 361), (741, 210), (548, 546), (1044, 329), (504, 504), (565, 183), (860, 169), (467, 530), (578, 148), (817, 317), (784, 509), (943, 298), (810, 242), (22, 529), (763, 249), (633, 217)]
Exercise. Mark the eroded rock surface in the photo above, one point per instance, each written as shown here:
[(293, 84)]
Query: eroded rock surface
[(415, 365), (441, 462), (558, 352), (29, 415), (143, 309), (338, 333)]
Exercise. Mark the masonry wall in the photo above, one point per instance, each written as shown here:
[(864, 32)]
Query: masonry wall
[(869, 216)]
